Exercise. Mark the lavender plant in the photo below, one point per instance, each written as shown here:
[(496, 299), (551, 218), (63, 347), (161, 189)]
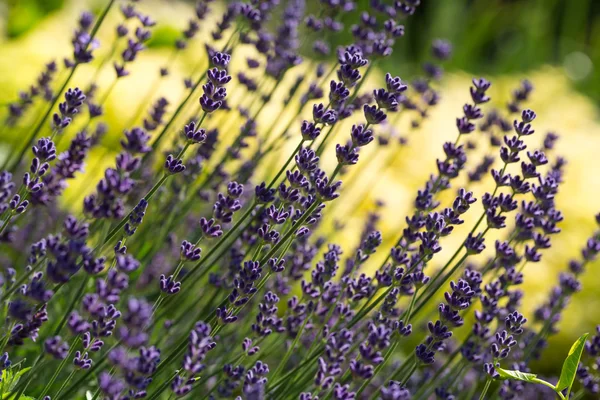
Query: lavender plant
[(199, 268)]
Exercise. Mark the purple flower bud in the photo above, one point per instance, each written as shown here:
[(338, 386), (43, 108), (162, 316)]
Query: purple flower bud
[(373, 114), (174, 165), (56, 347)]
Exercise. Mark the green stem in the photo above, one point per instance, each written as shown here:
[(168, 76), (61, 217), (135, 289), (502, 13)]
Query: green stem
[(84, 377), (162, 387), (292, 347), (488, 382), (6, 337), (412, 369), (321, 146), (30, 374), (425, 390), (433, 291), (71, 306), (123, 221), (182, 104), (64, 384), (59, 369), (548, 384), (282, 169), (387, 356), (368, 306)]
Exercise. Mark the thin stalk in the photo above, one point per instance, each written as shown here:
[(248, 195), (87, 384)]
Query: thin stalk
[(71, 306), (183, 344), (122, 223), (388, 354), (425, 390), (413, 368), (368, 306), (6, 337), (64, 384), (221, 241), (488, 382), (432, 292), (288, 374), (59, 369), (379, 367), (283, 168), (30, 374), (152, 90), (95, 366), (182, 104), (162, 387), (292, 347)]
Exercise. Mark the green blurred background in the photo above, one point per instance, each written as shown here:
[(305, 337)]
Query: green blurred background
[(554, 43), (490, 36)]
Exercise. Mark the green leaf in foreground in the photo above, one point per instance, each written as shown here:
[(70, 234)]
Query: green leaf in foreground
[(10, 379), (516, 375), (569, 368)]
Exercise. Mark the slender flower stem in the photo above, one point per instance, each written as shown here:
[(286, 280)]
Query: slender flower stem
[(221, 241), (6, 337), (181, 347), (437, 286), (225, 157), (285, 165), (88, 373), (30, 375), (425, 390), (123, 221), (6, 222), (488, 382), (406, 318), (71, 306), (163, 387), (105, 59), (287, 375), (151, 90), (292, 347), (59, 369), (64, 384), (182, 104), (412, 369)]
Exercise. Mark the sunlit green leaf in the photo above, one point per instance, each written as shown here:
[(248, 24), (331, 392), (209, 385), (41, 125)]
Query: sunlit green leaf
[(11, 377), (516, 375), (569, 368), (21, 372), (6, 378)]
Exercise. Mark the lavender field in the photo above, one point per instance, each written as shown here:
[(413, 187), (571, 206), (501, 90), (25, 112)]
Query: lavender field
[(292, 199)]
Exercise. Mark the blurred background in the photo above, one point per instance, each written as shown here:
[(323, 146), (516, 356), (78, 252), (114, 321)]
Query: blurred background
[(553, 43)]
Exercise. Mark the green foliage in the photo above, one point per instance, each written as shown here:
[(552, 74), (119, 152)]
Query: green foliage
[(567, 375), (516, 375), (498, 37), (10, 380), (569, 368)]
